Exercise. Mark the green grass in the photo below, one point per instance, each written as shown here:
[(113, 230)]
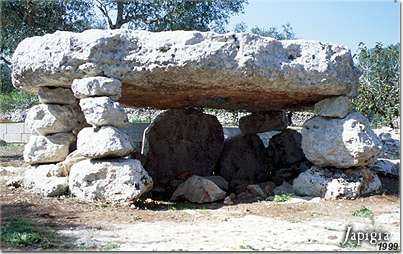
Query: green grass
[(365, 212), (23, 233), (247, 247), (282, 197), (16, 100), (109, 247)]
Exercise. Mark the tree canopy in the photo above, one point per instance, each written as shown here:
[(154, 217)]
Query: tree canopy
[(287, 33)]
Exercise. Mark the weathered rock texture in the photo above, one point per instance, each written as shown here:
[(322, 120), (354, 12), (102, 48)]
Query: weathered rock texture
[(188, 68), (341, 143), (56, 95), (199, 190), (334, 107), (263, 122), (97, 86), (336, 184), (48, 149), (36, 179), (182, 143), (118, 181), (243, 162), (102, 111), (103, 142)]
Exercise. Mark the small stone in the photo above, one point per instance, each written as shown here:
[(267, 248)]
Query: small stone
[(56, 95), (256, 190), (200, 190), (263, 122), (268, 187), (337, 107), (15, 182), (102, 111), (35, 179), (63, 168), (387, 167), (229, 200), (97, 86), (113, 180), (48, 149), (219, 181), (284, 188), (103, 142)]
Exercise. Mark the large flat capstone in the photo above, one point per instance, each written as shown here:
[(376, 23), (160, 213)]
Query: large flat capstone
[(179, 69)]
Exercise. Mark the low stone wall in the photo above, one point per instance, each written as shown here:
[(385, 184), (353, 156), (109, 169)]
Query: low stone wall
[(14, 132)]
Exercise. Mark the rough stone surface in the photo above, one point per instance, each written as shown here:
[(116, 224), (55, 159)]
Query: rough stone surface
[(117, 180), (103, 111), (200, 190), (263, 122), (52, 148), (335, 184), (97, 86), (63, 168), (52, 118), (56, 95), (243, 161), (188, 68), (36, 180), (337, 107), (284, 188), (390, 142), (340, 143), (181, 143), (387, 167), (284, 149), (103, 142), (219, 181)]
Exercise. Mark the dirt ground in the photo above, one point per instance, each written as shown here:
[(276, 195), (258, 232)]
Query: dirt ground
[(298, 224)]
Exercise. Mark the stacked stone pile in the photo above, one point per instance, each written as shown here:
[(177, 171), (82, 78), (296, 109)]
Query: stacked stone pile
[(106, 173), (342, 146)]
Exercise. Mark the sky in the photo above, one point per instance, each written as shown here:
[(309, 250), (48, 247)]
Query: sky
[(342, 22)]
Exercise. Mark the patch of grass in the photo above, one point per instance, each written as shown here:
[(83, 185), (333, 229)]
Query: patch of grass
[(247, 247), (16, 100), (22, 233), (349, 244), (282, 197), (365, 212), (109, 247), (9, 145)]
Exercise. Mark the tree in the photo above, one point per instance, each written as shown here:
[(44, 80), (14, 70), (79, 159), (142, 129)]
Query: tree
[(287, 32), (163, 15), (379, 85)]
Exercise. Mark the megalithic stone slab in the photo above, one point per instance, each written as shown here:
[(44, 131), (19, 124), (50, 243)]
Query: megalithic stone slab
[(177, 69), (97, 86)]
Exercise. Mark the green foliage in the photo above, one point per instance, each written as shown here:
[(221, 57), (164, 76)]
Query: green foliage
[(287, 33), (16, 100), (379, 87), (109, 247), (5, 78), (21, 232), (365, 212), (282, 197), (247, 247)]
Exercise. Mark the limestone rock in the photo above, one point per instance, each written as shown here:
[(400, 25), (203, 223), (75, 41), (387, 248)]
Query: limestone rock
[(337, 107), (52, 118), (390, 142), (336, 184), (340, 143), (182, 143), (102, 142), (284, 149), (116, 180), (48, 149), (243, 161), (97, 86), (284, 188), (263, 122), (387, 167), (103, 111), (232, 70), (56, 95), (36, 180), (63, 168), (200, 190)]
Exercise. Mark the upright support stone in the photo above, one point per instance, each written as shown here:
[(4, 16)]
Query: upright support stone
[(263, 122)]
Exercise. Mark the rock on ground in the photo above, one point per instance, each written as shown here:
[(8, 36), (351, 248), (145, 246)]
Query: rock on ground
[(56, 95), (48, 149), (181, 143), (63, 168), (52, 118), (390, 142), (284, 188), (97, 86), (232, 70), (284, 149), (219, 181), (341, 143), (336, 184), (198, 189), (36, 179), (337, 107), (117, 180), (102, 111), (243, 161), (102, 142), (263, 122), (387, 167)]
